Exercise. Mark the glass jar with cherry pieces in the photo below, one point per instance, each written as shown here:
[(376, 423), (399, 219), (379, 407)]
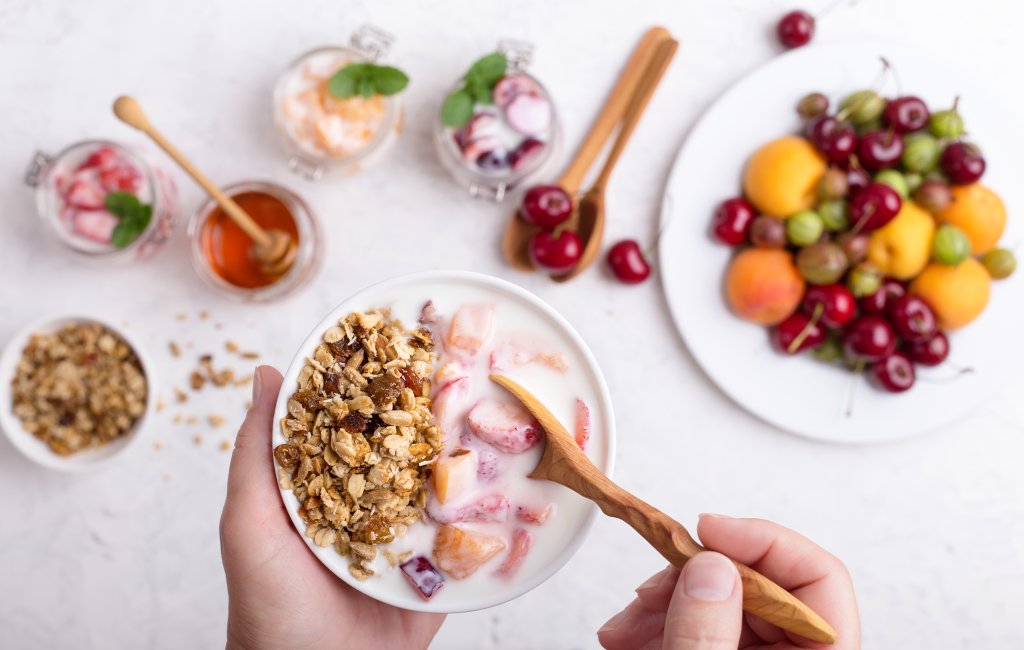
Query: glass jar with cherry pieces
[(222, 252), (335, 107), (498, 126), (106, 202)]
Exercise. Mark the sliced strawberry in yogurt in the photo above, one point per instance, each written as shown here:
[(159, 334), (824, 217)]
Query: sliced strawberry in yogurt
[(480, 125), (450, 407), (488, 466), (511, 86), (492, 508), (529, 114), (474, 149), (471, 327), (97, 225), (522, 541), (507, 426), (535, 516), (121, 178), (85, 194), (102, 158), (582, 424), (528, 151)]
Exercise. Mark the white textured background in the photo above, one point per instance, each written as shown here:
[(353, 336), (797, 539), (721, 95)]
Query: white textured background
[(932, 529)]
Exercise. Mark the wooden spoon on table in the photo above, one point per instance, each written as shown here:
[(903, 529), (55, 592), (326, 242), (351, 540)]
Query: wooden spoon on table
[(590, 212), (273, 249), (565, 463), (518, 233)]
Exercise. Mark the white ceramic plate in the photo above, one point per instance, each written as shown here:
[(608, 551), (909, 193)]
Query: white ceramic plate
[(406, 294), (35, 449), (799, 394)]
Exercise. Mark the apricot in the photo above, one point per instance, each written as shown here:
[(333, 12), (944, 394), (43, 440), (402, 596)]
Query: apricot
[(782, 176), (957, 294), (459, 553), (455, 475), (979, 212), (902, 247), (763, 285)]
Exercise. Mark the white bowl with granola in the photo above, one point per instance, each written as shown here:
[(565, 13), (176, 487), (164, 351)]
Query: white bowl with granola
[(75, 393), (405, 469)]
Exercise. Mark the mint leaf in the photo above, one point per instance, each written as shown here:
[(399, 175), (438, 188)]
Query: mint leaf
[(389, 80), (366, 86), (488, 69), (345, 82), (480, 92), (457, 108), (121, 204), (133, 214)]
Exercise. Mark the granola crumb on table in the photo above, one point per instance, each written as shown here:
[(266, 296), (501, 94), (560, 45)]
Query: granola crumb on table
[(79, 387), (361, 437)]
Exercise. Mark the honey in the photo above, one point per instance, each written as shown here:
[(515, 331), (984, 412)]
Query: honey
[(228, 250)]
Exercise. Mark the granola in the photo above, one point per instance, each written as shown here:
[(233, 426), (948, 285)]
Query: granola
[(361, 436), (80, 387)]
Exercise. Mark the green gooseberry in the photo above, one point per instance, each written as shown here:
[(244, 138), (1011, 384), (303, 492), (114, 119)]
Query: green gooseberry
[(951, 245), (804, 228), (863, 106), (822, 262), (1000, 263), (864, 279), (895, 180), (834, 214), (921, 152), (831, 350), (914, 181), (946, 124)]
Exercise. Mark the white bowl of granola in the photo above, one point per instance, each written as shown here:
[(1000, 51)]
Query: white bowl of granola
[(405, 469), (75, 393)]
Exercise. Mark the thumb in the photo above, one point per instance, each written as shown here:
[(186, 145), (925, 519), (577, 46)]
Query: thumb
[(252, 470), (706, 612)]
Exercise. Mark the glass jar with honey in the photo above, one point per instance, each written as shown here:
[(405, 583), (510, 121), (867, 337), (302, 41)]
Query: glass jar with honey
[(222, 253)]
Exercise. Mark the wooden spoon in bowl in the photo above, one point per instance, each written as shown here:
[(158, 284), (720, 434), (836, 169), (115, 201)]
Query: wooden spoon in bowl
[(516, 240), (590, 211), (565, 463), (273, 249)]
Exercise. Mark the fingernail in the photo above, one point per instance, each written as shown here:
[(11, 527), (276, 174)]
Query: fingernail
[(257, 385), (712, 515), (613, 622), (710, 577), (655, 581)]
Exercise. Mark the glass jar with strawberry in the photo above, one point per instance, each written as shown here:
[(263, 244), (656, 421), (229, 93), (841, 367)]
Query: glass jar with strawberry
[(497, 126), (106, 202)]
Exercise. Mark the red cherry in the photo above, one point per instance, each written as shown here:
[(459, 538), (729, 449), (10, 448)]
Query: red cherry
[(556, 253), (795, 29), (834, 139), (628, 263), (906, 114), (913, 319), (874, 206), (895, 372), (963, 163), (837, 304), (546, 206), (931, 352), (731, 223), (856, 180), (879, 149), (879, 301), (869, 339), (787, 333)]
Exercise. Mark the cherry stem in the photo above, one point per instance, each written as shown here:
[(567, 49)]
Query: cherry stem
[(858, 370), (828, 9), (819, 309)]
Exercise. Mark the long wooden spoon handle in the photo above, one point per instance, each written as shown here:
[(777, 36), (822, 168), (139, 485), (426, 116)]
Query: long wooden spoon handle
[(130, 112), (614, 108), (761, 596), (565, 463), (645, 88)]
